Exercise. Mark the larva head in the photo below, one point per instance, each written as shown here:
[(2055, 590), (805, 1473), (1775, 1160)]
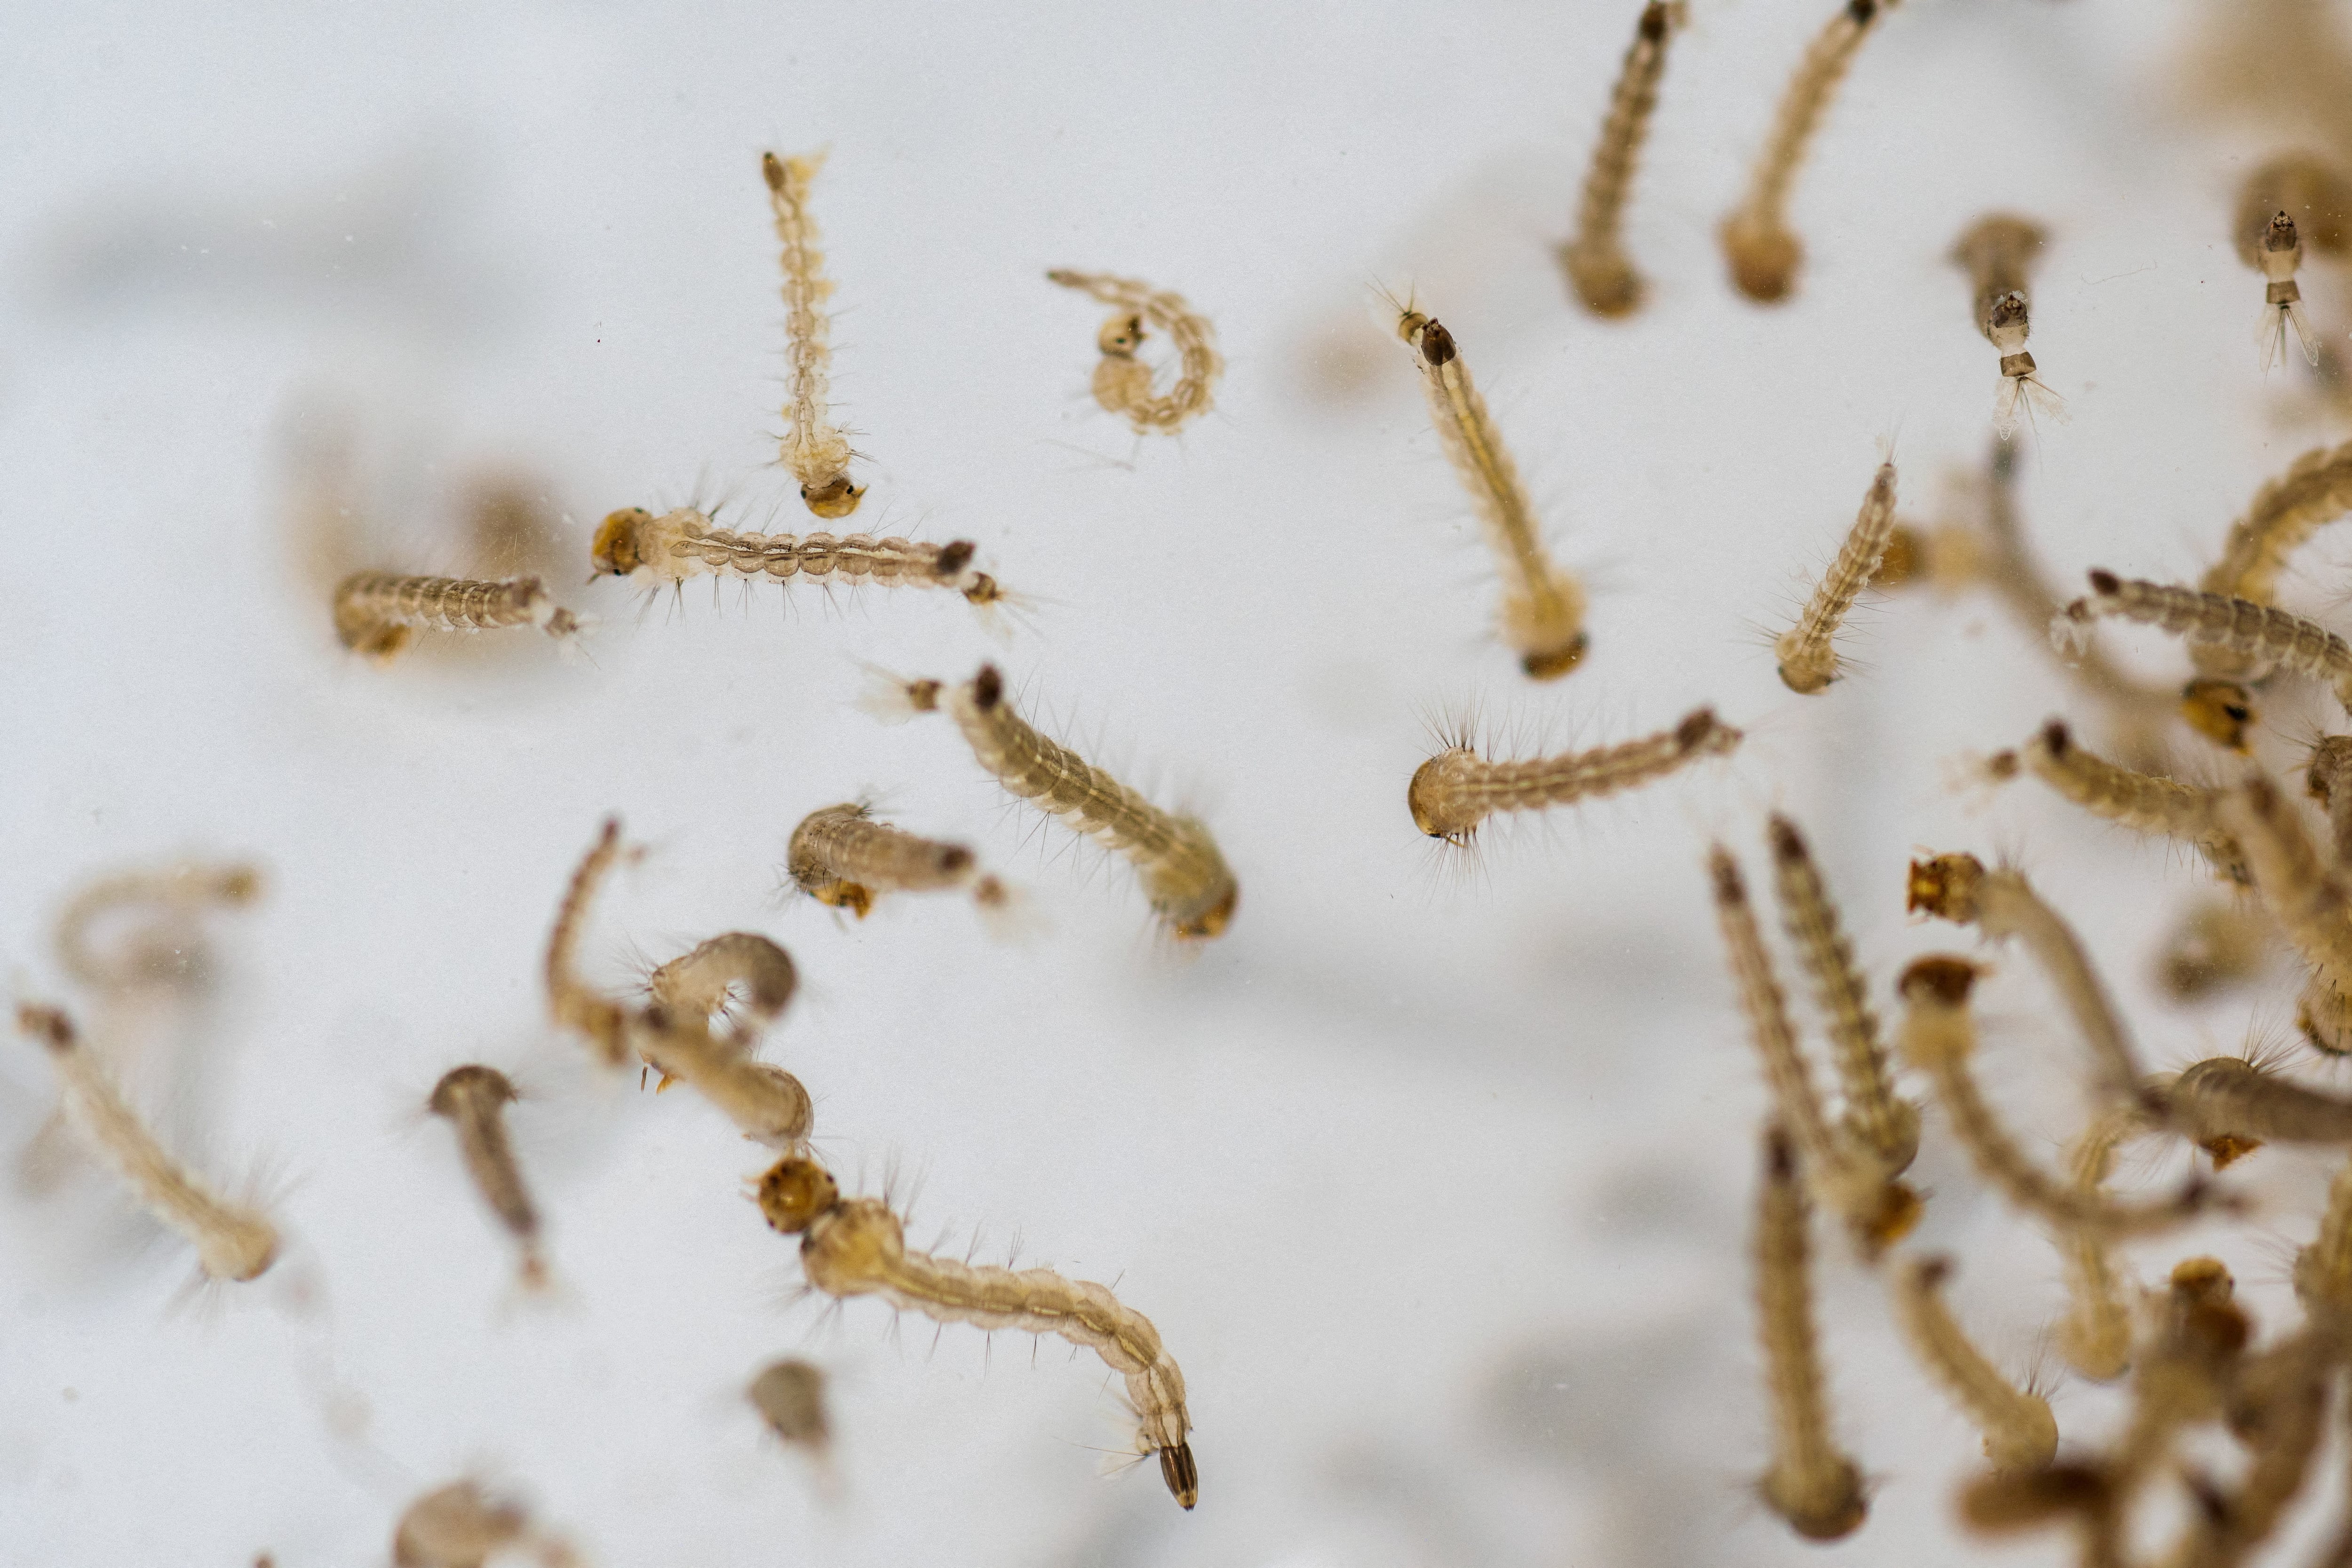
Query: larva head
[(836, 498), (1862, 13), (2202, 1316), (1827, 1503), (1764, 257), (795, 1192), (1600, 275), (2279, 235), (1945, 886), (987, 689), (48, 1026), (772, 169), (1436, 344), (1211, 920), (854, 896), (471, 1086), (1939, 979), (2220, 711), (1434, 797), (615, 550), (1892, 1213), (1550, 663), (1182, 1476), (1120, 335)]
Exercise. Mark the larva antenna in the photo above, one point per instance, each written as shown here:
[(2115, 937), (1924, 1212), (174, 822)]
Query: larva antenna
[(1601, 275), (2144, 802), (473, 1100), (1998, 253), (1122, 379), (2265, 636), (814, 449), (376, 612), (2307, 896), (1807, 651), (2019, 1433), (1455, 791), (1810, 1483)]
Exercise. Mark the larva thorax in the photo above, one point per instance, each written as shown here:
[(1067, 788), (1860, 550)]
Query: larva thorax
[(683, 543)]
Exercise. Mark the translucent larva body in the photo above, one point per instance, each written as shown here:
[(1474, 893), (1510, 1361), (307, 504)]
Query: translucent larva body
[(2315, 491), (1455, 791), (676, 545), (2227, 1106), (473, 1100), (461, 1525), (1122, 384), (740, 974), (139, 929), (2019, 1431), (790, 1396), (571, 1002), (2308, 899), (1601, 275), (1811, 1483), (767, 1104), (841, 857), (1807, 651), (2263, 635), (376, 612), (814, 449), (2095, 1335)]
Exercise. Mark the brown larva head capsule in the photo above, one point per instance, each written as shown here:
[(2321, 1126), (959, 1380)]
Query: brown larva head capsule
[(473, 1084), (1939, 977), (1945, 886), (2220, 711), (1182, 1476), (953, 557), (1121, 336), (987, 688), (836, 498), (1826, 1507), (615, 548), (1864, 11), (1550, 664), (1211, 921), (1764, 259), (1437, 343), (772, 169), (795, 1192)]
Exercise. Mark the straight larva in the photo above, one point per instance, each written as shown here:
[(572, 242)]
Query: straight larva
[(2264, 635), (814, 449), (2141, 801), (843, 858), (1601, 275), (2019, 1431), (376, 612), (1811, 1483), (1122, 383), (2095, 1335), (1457, 789), (1808, 656), (676, 545), (473, 1100)]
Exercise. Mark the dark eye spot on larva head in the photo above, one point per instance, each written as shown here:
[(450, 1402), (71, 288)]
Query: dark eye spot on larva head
[(1437, 344)]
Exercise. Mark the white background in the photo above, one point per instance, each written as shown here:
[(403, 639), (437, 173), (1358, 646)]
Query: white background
[(1435, 1181)]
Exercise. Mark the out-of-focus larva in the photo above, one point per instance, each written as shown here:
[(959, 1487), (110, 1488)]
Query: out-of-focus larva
[(2328, 779), (1599, 274), (375, 612), (2184, 1376), (1763, 251), (855, 1247), (473, 1100), (153, 938), (2219, 943), (2008, 1501), (2230, 1106), (572, 1001), (1543, 606), (740, 974), (1455, 791), (2141, 801), (2316, 490), (767, 1104), (2307, 897), (2285, 204), (1122, 380), (790, 1396), (2095, 1335), (2323, 1271), (1997, 253), (1183, 874), (1946, 556), (1811, 1483), (815, 448), (2019, 1431), (232, 1241), (684, 543), (2264, 634), (2277, 1406), (461, 1525), (841, 857), (1807, 651)]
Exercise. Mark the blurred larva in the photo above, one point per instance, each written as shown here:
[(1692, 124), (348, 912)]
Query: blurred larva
[(814, 449), (2278, 1407), (2219, 943), (233, 1240), (2264, 635), (2143, 802), (683, 543), (767, 1104), (1997, 253), (2316, 490), (2019, 1431), (573, 1003), (2325, 779), (376, 612), (473, 1100), (1763, 252), (2323, 1271), (1811, 1483), (157, 940), (2230, 1106), (1183, 874), (462, 1526), (2307, 897), (2095, 1335), (790, 1396), (740, 975), (1123, 381), (1809, 660), (1599, 275), (841, 857), (1455, 791), (855, 1247), (1543, 606), (2185, 1374)]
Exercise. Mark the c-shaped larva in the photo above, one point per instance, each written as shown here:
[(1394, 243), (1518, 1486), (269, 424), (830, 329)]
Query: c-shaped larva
[(375, 612), (1543, 606), (462, 1526), (1599, 274), (2019, 1433), (841, 857), (1123, 381), (1764, 253), (473, 1100), (2227, 1106), (232, 1241), (682, 543), (1183, 874), (855, 1247), (2141, 801), (1455, 791), (2264, 634), (165, 946), (1809, 660), (815, 448), (2316, 490), (1811, 1483), (2308, 899), (1997, 252), (711, 977)]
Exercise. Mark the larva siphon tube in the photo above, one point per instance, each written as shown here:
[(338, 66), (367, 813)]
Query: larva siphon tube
[(1810, 1483), (1807, 651), (376, 612), (1457, 789), (814, 449), (1998, 252), (685, 542), (841, 857), (1123, 382), (473, 1100), (2263, 635), (2019, 1431), (1601, 275)]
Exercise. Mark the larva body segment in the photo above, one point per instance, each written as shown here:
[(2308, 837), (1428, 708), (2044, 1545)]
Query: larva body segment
[(138, 928), (2143, 802), (2307, 897), (473, 1100), (857, 1247), (1998, 252), (684, 543), (1601, 275), (232, 1241), (2315, 491), (710, 978), (841, 857), (814, 449), (571, 1002), (767, 1104), (1122, 384), (1811, 1483), (1763, 252), (2323, 1271), (2264, 635), (1808, 656), (375, 612), (2328, 779), (1455, 791), (1543, 606), (2019, 1431)]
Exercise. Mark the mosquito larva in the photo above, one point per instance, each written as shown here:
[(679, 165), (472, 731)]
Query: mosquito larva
[(1811, 1483), (855, 1247), (814, 449), (2316, 490), (376, 612), (767, 1104), (2278, 256), (683, 543), (2307, 897), (1809, 660), (710, 978), (1123, 381), (2219, 943), (1543, 606), (473, 1100), (790, 1396), (2227, 1106), (841, 857), (1183, 874), (168, 950), (2323, 1271), (2330, 766), (2265, 635), (2143, 802), (2095, 1335), (232, 1241), (2278, 1407), (1763, 251), (2184, 1376), (1599, 274), (1997, 252), (1946, 556), (572, 1001), (1457, 789), (2019, 1431), (462, 1526)]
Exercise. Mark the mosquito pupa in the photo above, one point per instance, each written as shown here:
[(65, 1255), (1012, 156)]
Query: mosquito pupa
[(841, 857), (1808, 656), (1455, 791), (684, 543), (2264, 634), (1122, 380), (2019, 1431), (2143, 802), (232, 1241), (790, 1396), (1997, 253), (741, 975), (138, 928), (855, 1247), (573, 1003), (2094, 1337), (1811, 1483), (376, 612), (2229, 1106), (2219, 943), (1763, 251), (767, 1104), (473, 1100), (1543, 606), (2315, 491), (1601, 275), (461, 1525), (1183, 874), (815, 448), (2307, 897)]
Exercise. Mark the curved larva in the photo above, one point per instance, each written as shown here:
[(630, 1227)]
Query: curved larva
[(1543, 606), (2315, 491), (814, 449), (1122, 381), (2229, 1107), (2019, 1431), (2141, 801), (1455, 791), (1811, 1483), (1808, 661), (1998, 252), (683, 543), (232, 1241), (1182, 872), (165, 948), (711, 977), (571, 1002), (473, 1100), (2307, 897), (767, 1104), (855, 1247), (1763, 252), (375, 612), (462, 1526), (2095, 1335), (2264, 635), (1599, 275), (841, 857)]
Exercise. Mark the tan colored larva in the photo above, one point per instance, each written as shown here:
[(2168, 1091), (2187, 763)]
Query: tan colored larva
[(2185, 1374), (1601, 275), (473, 1100), (2264, 635), (2230, 1106), (790, 1396), (767, 1104), (2323, 1271), (855, 1247), (571, 1002), (232, 1241), (1997, 253), (376, 612), (461, 1525), (740, 975), (2315, 491), (2019, 1431), (1457, 789), (138, 928), (843, 858), (2278, 1406), (1807, 651), (1184, 874), (814, 449), (2307, 897), (2095, 1335), (2143, 802), (684, 543), (2219, 943), (1811, 1483), (2328, 779), (2283, 206), (1543, 606), (1122, 380), (1763, 251)]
